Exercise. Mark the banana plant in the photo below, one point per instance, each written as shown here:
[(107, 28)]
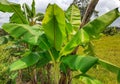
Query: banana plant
[(47, 45), (30, 13)]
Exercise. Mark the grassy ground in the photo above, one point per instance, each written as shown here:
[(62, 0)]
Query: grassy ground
[(107, 48), (4, 63)]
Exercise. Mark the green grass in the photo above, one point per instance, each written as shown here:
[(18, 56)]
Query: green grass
[(107, 48)]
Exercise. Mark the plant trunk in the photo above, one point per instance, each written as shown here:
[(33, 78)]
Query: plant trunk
[(56, 73), (41, 76), (48, 68), (89, 11), (19, 79), (65, 78), (34, 80)]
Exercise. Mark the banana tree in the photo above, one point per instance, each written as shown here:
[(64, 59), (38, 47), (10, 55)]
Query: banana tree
[(48, 45)]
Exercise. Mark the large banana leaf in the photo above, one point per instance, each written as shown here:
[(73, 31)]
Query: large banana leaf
[(82, 63), (80, 38), (73, 15), (54, 25), (30, 34), (95, 27), (28, 60), (18, 16)]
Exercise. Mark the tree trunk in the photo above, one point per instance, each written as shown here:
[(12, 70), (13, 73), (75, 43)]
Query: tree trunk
[(89, 11)]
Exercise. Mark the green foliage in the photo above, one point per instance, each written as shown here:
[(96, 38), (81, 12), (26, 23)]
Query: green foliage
[(20, 31), (44, 59), (33, 8), (73, 16), (95, 27), (3, 40), (5, 6), (28, 60), (18, 16), (118, 76), (30, 13), (30, 34), (82, 63), (54, 25)]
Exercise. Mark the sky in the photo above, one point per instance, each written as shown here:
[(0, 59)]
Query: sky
[(103, 6)]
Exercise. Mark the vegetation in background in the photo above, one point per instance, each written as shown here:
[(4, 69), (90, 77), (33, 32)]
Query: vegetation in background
[(111, 31)]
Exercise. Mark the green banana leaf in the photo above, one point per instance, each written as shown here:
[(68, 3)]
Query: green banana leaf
[(30, 34), (95, 27), (28, 60), (73, 16), (82, 63), (54, 25), (18, 16), (44, 59)]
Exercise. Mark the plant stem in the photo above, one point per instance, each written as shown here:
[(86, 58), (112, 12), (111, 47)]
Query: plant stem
[(56, 73), (52, 57), (56, 68)]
